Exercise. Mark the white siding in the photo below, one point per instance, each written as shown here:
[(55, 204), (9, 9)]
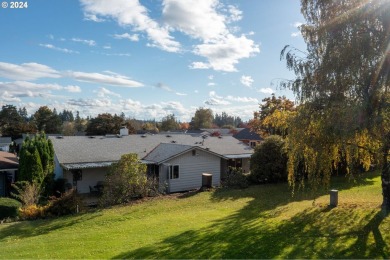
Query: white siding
[(245, 165), (90, 177), (58, 171), (191, 168)]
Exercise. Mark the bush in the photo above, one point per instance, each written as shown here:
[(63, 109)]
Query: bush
[(9, 208), (269, 161), (32, 212), (235, 179), (27, 193), (68, 203), (126, 180)]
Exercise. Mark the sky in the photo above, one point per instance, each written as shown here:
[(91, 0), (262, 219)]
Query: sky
[(146, 58)]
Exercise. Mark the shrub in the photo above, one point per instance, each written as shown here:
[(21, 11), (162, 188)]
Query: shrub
[(68, 203), (9, 208), (32, 212), (235, 179), (27, 193), (125, 181), (269, 161)]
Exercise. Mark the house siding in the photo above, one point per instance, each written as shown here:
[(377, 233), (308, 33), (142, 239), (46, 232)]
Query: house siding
[(191, 168), (58, 171), (246, 165), (90, 177)]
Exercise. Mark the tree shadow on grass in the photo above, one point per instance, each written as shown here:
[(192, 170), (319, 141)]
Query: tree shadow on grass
[(24, 229), (261, 230)]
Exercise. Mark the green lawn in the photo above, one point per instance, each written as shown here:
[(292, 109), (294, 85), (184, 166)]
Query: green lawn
[(258, 222)]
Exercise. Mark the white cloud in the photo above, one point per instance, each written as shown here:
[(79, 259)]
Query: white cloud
[(210, 77), (134, 15), (235, 13), (181, 94), (199, 65), (107, 47), (113, 80), (246, 81), (297, 24), (266, 90), (199, 19), (132, 37), (88, 42), (211, 84), (103, 92), (216, 100), (27, 71), (225, 53), (73, 89), (14, 91), (163, 87), (206, 21), (51, 46), (243, 99), (295, 34)]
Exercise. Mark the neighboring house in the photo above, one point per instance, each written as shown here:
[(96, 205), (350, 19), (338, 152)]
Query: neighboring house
[(5, 143), (8, 167), (250, 138), (178, 160), (223, 131)]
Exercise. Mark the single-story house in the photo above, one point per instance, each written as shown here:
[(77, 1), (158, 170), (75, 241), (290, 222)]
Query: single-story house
[(249, 137), (9, 165), (178, 161), (5, 143)]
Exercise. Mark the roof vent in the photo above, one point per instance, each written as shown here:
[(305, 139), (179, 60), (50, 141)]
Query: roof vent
[(91, 137), (143, 136), (220, 137), (60, 137), (173, 141), (168, 136)]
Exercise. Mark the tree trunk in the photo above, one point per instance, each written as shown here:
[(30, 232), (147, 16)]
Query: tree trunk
[(386, 177)]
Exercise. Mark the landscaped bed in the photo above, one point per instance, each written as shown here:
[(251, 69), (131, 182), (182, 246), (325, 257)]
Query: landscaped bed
[(259, 222)]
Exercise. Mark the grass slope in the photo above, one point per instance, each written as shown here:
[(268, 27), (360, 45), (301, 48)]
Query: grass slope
[(258, 222)]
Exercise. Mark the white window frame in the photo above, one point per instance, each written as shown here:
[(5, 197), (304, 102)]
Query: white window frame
[(172, 172)]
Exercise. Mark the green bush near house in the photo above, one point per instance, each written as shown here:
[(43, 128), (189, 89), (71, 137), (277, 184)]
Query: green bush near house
[(269, 161), (9, 208)]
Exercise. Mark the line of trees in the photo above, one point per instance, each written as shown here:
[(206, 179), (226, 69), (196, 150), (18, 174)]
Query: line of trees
[(15, 121)]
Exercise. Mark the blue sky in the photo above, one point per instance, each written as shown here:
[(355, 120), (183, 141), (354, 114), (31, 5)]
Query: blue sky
[(146, 58)]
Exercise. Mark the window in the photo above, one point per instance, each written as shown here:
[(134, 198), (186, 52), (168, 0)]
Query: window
[(174, 172), (193, 152), (253, 144)]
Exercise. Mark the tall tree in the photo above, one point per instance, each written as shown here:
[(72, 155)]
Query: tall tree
[(47, 120), (107, 124), (342, 82), (169, 122), (272, 119), (36, 159), (11, 123), (203, 118)]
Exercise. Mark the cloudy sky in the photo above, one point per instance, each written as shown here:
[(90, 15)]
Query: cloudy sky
[(146, 58)]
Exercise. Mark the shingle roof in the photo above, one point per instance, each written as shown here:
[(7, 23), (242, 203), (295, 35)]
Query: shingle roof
[(5, 141), (247, 134), (8, 161), (84, 149), (165, 151)]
